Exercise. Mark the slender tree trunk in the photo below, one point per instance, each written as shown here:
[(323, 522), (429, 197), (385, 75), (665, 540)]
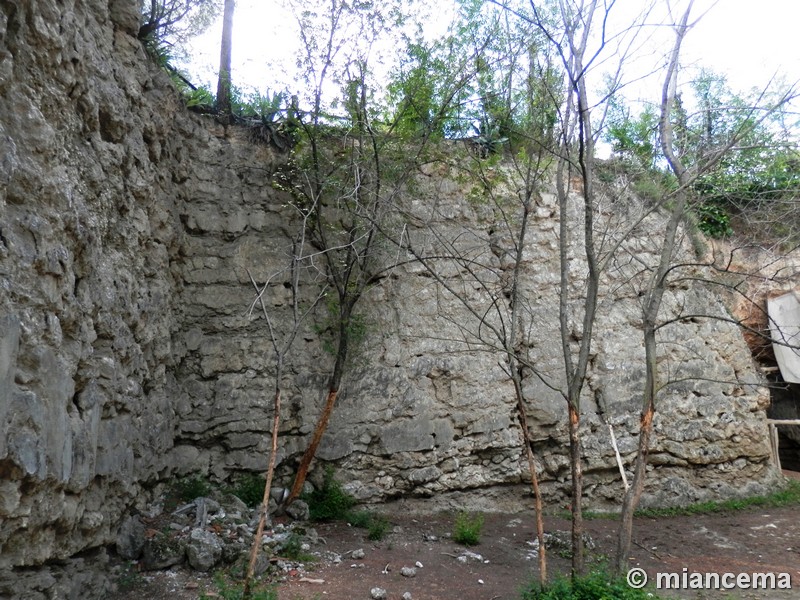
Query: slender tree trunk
[(264, 508), (577, 492), (311, 451), (513, 356), (655, 295), (330, 402), (224, 78), (522, 415), (634, 493)]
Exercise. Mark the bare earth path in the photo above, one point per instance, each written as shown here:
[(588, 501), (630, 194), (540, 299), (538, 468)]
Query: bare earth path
[(758, 540)]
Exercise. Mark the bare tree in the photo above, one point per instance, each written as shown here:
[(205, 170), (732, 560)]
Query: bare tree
[(655, 294), (498, 320), (579, 25), (667, 270), (341, 176), (496, 315), (282, 332)]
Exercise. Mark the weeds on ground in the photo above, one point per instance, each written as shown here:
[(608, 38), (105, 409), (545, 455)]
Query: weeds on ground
[(228, 590), (594, 586), (377, 526), (359, 518), (293, 550), (189, 488), (129, 577), (788, 496), (467, 529), (185, 490), (332, 503)]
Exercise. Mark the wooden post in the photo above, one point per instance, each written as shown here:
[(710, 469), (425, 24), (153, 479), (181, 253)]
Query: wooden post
[(773, 443)]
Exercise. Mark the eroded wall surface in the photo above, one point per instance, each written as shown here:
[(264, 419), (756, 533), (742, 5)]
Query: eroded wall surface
[(88, 244)]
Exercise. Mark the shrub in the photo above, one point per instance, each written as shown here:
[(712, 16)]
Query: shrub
[(129, 578), (467, 529), (359, 518), (377, 528), (250, 489), (293, 549), (189, 488), (330, 502), (713, 220)]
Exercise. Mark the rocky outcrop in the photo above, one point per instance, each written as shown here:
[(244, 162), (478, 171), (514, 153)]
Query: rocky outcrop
[(88, 239), (128, 355)]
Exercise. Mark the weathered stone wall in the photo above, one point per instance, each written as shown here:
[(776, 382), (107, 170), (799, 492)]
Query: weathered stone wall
[(88, 242), (128, 355), (419, 416)]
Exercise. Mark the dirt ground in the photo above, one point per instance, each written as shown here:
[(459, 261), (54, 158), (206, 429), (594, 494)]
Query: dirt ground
[(756, 540)]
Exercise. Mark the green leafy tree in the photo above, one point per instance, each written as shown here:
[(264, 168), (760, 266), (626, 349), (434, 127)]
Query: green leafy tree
[(633, 138), (417, 92), (754, 176), (173, 22)]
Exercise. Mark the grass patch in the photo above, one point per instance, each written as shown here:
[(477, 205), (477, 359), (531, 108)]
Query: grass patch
[(332, 503), (129, 577), (186, 489), (788, 496), (293, 550), (359, 518), (467, 529), (377, 529), (593, 515), (377, 526), (594, 586), (234, 591)]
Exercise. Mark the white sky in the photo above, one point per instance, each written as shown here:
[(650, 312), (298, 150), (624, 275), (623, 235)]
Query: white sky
[(747, 40)]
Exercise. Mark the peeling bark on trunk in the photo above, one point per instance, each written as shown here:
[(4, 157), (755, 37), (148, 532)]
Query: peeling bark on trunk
[(634, 493), (264, 509), (330, 402), (654, 297), (311, 451), (577, 492), (523, 422)]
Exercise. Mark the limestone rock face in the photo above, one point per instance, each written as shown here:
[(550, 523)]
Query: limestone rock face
[(129, 354), (420, 417), (87, 292)]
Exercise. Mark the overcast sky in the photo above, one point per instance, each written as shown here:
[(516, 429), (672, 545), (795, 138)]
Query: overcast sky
[(747, 40)]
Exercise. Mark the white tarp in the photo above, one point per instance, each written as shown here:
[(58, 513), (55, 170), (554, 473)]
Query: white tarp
[(784, 323)]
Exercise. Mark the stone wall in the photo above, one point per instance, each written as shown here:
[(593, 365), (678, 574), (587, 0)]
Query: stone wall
[(128, 233), (420, 416), (88, 243)]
